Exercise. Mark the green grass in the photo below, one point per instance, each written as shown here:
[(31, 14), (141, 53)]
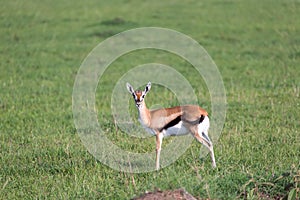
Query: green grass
[(255, 45)]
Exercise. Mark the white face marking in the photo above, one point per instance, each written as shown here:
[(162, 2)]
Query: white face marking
[(138, 98)]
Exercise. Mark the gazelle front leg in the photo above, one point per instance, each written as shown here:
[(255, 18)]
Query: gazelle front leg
[(159, 138)]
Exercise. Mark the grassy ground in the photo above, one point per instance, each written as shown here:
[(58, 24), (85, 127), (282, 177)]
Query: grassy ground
[(255, 44)]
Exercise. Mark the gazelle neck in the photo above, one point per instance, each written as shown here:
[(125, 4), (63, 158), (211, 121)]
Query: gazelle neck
[(144, 114)]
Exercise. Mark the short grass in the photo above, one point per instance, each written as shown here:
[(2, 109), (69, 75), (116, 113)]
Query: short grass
[(255, 44)]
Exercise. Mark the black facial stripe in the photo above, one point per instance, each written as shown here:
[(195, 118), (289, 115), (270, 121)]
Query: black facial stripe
[(171, 123)]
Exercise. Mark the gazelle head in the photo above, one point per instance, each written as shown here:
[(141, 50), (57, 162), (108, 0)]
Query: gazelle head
[(138, 95)]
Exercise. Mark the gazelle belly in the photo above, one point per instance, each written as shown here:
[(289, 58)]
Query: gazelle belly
[(177, 129)]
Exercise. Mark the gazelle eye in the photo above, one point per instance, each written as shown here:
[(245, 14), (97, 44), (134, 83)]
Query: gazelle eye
[(143, 96)]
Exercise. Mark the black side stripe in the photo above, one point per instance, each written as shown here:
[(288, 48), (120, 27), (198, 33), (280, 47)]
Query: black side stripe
[(171, 123)]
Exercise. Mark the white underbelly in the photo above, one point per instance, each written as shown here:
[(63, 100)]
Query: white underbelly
[(178, 129)]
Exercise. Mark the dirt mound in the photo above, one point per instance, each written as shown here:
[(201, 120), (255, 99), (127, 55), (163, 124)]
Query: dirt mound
[(166, 195)]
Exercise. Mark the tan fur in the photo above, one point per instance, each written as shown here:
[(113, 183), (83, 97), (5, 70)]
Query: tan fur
[(156, 119)]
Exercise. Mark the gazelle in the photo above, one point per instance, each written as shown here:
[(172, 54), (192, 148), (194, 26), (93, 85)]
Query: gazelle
[(173, 121)]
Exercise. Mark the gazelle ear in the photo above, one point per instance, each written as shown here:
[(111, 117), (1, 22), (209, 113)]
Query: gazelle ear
[(129, 88), (147, 88)]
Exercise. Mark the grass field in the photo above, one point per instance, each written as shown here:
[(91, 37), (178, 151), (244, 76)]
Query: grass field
[(255, 44)]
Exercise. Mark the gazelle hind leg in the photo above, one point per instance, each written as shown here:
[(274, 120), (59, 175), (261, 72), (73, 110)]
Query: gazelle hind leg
[(204, 139), (203, 133), (212, 155)]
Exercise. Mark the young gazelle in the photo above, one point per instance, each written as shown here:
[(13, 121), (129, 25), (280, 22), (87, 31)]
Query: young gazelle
[(173, 121)]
